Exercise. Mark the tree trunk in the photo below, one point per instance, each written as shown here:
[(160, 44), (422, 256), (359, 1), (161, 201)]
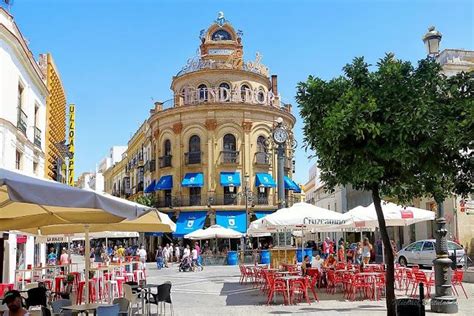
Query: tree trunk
[(390, 276)]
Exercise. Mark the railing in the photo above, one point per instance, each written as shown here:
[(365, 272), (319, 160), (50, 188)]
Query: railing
[(37, 140), (165, 161), (192, 157), (213, 200), (229, 157), (262, 158), (150, 165), (22, 121), (263, 199)]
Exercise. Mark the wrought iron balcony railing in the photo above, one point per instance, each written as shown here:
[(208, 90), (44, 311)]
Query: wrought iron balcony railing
[(165, 161), (230, 157), (192, 157), (262, 158), (37, 140), (22, 121)]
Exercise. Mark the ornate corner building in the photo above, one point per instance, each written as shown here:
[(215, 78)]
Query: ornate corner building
[(207, 156)]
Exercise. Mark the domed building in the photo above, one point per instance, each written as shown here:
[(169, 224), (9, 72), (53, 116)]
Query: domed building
[(211, 147)]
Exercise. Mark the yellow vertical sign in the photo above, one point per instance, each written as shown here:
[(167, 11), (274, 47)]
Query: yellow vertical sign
[(71, 135)]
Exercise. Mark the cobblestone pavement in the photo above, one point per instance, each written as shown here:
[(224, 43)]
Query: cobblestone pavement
[(216, 291)]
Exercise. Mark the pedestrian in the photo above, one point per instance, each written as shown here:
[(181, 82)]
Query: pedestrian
[(366, 250), (198, 249), (358, 253), (142, 256), (186, 252), (194, 254), (92, 255), (172, 253), (177, 253), (326, 246), (166, 255), (159, 258), (64, 259), (13, 300), (340, 253)]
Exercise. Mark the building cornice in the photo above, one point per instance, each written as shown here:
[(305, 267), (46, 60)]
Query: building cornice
[(25, 56)]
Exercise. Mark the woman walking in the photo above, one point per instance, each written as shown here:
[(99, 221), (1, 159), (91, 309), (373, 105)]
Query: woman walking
[(366, 249)]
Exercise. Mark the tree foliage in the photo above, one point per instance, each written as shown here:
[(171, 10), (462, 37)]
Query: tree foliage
[(407, 130), (148, 200), (398, 131)]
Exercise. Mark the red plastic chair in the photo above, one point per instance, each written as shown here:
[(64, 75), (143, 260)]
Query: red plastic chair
[(420, 277), (380, 284), (275, 287), (311, 284), (5, 287), (299, 288), (333, 281), (409, 280), (359, 282), (457, 280), (340, 266)]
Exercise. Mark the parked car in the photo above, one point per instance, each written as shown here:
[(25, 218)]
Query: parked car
[(423, 252)]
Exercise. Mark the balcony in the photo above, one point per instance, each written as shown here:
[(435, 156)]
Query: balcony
[(167, 201), (263, 199), (262, 159), (37, 140), (150, 165), (229, 157), (22, 121), (165, 161), (192, 158)]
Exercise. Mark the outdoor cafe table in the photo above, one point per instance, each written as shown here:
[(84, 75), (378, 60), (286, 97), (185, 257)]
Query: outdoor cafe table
[(287, 279), (46, 267), (84, 308), (146, 290)]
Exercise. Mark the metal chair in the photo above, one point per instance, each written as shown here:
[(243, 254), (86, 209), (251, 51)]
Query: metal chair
[(164, 296)]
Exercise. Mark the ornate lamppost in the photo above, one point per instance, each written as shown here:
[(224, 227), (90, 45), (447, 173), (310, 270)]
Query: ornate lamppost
[(282, 137), (444, 301)]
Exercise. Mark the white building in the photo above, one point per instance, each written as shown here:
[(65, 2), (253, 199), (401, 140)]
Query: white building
[(95, 180), (23, 95)]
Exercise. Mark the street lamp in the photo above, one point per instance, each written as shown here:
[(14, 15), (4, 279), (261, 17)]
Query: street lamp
[(432, 39)]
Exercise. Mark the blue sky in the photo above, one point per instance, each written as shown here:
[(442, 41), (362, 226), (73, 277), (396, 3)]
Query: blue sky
[(116, 57)]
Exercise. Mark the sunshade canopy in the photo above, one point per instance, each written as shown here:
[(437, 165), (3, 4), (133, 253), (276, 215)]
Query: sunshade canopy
[(193, 179), (230, 179), (264, 180), (189, 222), (395, 215), (165, 183), (215, 231), (303, 215), (27, 201), (236, 220), (261, 214), (151, 187), (291, 185), (152, 221)]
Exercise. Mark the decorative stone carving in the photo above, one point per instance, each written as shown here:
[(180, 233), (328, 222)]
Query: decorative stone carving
[(247, 126), (211, 124), (156, 133), (177, 127)]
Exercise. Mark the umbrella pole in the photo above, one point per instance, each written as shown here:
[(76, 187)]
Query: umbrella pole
[(87, 261)]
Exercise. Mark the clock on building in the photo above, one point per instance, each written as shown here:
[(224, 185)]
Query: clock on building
[(280, 135), (221, 35), (217, 51)]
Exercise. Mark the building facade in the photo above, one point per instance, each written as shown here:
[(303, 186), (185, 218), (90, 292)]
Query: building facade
[(206, 156), (23, 96), (55, 120)]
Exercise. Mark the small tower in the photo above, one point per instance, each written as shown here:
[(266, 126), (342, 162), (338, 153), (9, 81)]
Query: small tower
[(220, 42)]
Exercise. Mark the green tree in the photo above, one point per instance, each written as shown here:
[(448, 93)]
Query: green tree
[(148, 200), (396, 130)]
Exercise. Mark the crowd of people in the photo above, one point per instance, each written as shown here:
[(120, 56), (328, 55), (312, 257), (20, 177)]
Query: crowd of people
[(177, 253)]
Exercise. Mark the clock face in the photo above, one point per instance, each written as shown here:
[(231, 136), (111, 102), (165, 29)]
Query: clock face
[(221, 35), (280, 135)]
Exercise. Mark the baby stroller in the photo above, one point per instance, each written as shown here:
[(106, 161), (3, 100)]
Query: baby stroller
[(185, 265)]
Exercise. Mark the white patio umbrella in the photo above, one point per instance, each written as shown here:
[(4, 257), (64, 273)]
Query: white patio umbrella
[(28, 202), (395, 215), (303, 215), (215, 231)]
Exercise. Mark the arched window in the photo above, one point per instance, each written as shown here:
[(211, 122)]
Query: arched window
[(243, 92), (202, 88), (194, 144), (261, 95), (261, 148), (229, 142), (224, 92), (167, 148)]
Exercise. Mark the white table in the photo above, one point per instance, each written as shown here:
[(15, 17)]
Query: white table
[(287, 279)]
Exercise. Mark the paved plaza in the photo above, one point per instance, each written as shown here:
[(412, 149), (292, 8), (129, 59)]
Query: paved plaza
[(216, 291)]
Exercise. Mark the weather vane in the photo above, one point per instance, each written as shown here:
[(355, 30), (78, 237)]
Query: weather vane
[(220, 19)]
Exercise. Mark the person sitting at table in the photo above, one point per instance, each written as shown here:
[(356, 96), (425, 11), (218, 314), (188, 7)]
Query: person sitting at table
[(14, 303), (317, 262), (305, 265), (330, 262)]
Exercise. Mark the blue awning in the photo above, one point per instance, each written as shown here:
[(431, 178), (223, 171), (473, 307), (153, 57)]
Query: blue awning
[(229, 179), (236, 220), (193, 179), (188, 222), (291, 185), (260, 214), (165, 183), (151, 187), (153, 234), (264, 180)]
